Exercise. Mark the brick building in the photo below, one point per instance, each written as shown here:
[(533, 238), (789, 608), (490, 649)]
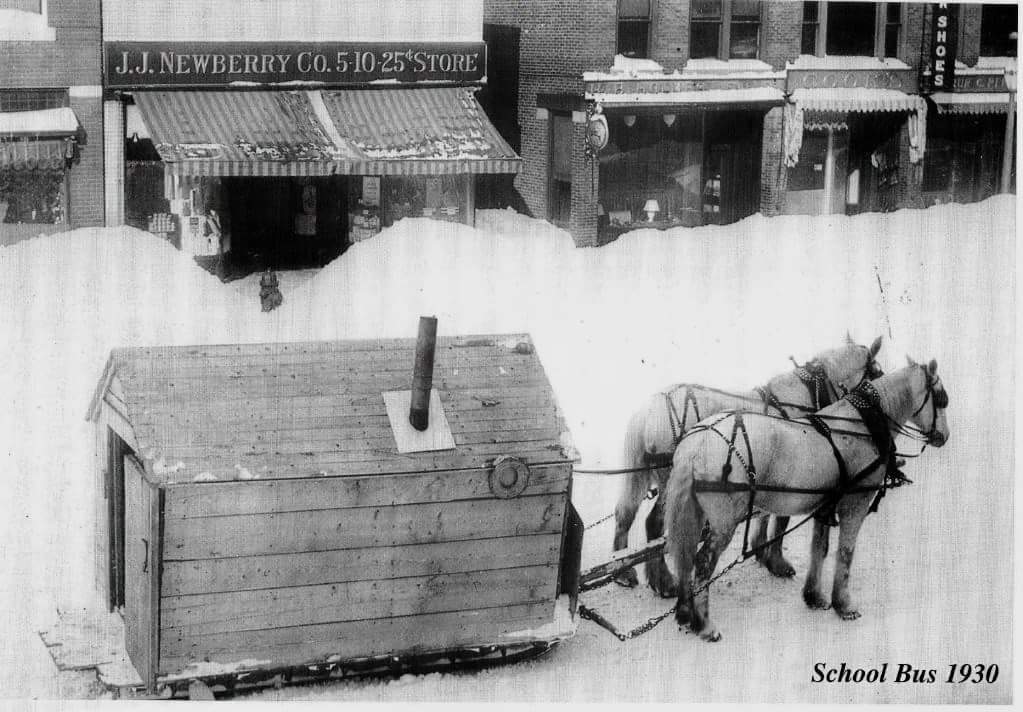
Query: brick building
[(278, 133), (665, 113), (51, 127)]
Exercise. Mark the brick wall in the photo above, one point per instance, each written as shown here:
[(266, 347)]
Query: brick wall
[(557, 45), (969, 34), (72, 59), (669, 35), (773, 176), (86, 191), (585, 176), (780, 32)]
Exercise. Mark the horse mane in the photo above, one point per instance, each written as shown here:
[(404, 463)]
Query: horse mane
[(896, 391)]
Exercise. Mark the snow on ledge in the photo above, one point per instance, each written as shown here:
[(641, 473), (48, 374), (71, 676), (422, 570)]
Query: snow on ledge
[(809, 61), (1009, 64), (22, 26), (709, 65)]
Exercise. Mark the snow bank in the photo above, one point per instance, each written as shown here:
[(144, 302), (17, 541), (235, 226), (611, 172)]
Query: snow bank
[(723, 305)]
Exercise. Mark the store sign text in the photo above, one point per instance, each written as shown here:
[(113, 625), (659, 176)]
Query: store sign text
[(944, 29), (852, 79), (146, 64), (980, 82)]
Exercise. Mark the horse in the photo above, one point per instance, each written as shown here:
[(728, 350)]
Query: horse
[(655, 430), (841, 457)]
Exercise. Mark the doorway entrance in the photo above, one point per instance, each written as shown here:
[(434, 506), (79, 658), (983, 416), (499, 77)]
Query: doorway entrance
[(117, 449)]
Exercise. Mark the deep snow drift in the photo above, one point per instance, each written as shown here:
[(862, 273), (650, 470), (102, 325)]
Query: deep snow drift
[(718, 305)]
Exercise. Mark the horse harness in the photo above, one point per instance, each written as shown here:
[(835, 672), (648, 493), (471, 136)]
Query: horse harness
[(867, 402), (812, 374)]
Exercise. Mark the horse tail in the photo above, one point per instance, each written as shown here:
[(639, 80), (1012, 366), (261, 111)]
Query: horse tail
[(635, 484), (683, 516)]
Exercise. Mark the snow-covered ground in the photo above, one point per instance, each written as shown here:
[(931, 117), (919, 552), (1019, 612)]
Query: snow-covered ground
[(718, 305)]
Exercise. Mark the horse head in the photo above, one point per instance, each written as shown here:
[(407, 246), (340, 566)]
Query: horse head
[(850, 364), (929, 399)]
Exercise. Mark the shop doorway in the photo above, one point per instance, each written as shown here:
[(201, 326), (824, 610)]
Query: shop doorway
[(559, 201), (873, 171), (731, 167), (117, 449), (285, 223)]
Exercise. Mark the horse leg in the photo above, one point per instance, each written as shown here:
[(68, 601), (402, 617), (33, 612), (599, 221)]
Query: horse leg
[(818, 551), (657, 574), (771, 557), (705, 562), (851, 512), (633, 491)]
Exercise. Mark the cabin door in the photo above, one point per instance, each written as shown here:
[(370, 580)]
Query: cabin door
[(141, 571)]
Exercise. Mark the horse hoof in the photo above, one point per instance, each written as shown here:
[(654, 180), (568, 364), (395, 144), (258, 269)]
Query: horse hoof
[(711, 636), (627, 578), (815, 600), (848, 615), (683, 616), (779, 567)]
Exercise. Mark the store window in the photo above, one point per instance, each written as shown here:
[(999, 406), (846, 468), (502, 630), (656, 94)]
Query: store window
[(724, 29), (998, 28), (808, 173), (634, 28), (811, 27), (863, 29), (31, 194)]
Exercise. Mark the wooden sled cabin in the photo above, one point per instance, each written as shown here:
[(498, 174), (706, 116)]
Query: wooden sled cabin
[(270, 506)]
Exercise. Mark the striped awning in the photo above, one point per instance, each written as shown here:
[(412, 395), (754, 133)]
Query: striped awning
[(855, 100), (971, 103), (47, 154), (306, 133)]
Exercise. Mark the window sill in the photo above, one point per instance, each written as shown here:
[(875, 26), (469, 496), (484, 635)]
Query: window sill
[(21, 26), (845, 62)]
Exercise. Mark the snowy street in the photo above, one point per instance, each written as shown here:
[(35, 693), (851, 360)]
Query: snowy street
[(718, 305)]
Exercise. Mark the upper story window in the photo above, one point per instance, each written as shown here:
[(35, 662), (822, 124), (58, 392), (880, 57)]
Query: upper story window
[(724, 29), (998, 25), (25, 20), (634, 28), (861, 29)]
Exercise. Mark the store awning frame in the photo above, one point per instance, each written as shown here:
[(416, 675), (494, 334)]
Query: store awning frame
[(325, 132), (45, 154), (972, 102)]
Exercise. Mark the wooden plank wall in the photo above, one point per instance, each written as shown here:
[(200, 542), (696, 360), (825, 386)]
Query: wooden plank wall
[(294, 571)]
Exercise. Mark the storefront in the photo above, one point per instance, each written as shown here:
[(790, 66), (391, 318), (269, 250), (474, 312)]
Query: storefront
[(971, 138), (850, 138), (37, 149), (678, 153), (304, 151)]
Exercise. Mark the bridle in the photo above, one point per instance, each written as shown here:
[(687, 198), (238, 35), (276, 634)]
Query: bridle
[(938, 398)]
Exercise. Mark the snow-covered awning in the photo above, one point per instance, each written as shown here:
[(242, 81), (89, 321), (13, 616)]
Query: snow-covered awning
[(971, 103), (41, 122), (726, 98), (345, 132)]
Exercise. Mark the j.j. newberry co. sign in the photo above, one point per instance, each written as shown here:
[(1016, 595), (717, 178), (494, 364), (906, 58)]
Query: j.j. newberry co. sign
[(148, 64)]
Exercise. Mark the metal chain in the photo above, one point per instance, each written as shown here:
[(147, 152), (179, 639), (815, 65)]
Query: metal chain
[(651, 623), (651, 493)]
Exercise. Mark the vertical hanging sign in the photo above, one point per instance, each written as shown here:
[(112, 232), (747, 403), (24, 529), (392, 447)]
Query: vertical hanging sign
[(942, 60)]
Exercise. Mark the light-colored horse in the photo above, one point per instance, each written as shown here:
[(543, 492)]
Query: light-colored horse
[(793, 454), (655, 429)]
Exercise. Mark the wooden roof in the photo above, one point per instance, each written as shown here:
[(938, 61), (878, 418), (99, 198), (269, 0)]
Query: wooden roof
[(270, 411)]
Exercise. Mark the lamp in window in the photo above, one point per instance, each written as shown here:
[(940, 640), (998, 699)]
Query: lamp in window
[(669, 119), (630, 120), (651, 208)]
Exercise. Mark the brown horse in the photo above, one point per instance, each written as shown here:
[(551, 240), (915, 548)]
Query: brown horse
[(839, 457), (656, 428)]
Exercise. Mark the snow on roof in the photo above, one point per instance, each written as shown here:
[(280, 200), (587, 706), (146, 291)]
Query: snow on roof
[(809, 61), (627, 68), (60, 121), (855, 99), (1009, 64)]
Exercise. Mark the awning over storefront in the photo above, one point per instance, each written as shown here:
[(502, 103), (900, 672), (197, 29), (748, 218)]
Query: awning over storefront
[(305, 133), (971, 103), (855, 100), (39, 123), (710, 98), (822, 109)]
